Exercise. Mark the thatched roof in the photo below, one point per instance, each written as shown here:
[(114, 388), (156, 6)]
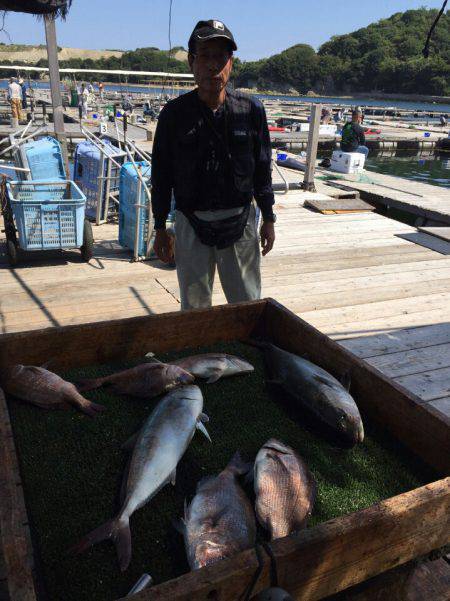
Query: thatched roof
[(37, 7)]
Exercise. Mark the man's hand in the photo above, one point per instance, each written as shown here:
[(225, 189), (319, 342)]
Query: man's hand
[(163, 246), (267, 234)]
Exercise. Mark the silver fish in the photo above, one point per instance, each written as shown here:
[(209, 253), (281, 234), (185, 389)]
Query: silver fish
[(285, 489), (159, 446), (143, 381), (46, 389), (213, 366), (220, 521), (318, 390)]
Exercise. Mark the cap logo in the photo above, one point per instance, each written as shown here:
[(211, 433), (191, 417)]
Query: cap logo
[(218, 25)]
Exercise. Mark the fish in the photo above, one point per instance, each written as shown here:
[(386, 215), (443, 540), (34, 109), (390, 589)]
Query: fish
[(143, 381), (285, 489), (213, 366), (43, 388), (313, 387), (157, 449), (220, 521)]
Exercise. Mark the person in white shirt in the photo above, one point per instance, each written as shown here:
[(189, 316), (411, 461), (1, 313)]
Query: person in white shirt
[(15, 100), (83, 101)]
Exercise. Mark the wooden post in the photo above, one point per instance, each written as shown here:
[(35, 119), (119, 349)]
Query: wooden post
[(313, 141), (55, 87)]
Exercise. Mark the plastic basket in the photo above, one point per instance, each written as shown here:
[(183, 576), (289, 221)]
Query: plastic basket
[(48, 215), (43, 158), (128, 197), (89, 166)]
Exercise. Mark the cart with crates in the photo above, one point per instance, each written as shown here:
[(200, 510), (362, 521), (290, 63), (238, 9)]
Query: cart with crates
[(46, 215), (43, 210), (97, 164)]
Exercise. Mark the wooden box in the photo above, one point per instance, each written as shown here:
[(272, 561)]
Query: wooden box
[(313, 564)]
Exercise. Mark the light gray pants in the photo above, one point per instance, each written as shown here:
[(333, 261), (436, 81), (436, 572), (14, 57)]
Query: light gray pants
[(238, 265)]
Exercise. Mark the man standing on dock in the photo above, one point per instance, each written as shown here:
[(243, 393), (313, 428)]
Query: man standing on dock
[(15, 100), (212, 149)]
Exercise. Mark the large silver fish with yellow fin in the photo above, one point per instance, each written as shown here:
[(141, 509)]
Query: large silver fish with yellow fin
[(157, 449)]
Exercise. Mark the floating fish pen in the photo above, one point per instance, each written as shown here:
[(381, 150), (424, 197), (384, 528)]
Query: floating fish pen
[(379, 505)]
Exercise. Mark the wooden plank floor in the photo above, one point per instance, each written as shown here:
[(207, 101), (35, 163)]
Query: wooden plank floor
[(377, 286)]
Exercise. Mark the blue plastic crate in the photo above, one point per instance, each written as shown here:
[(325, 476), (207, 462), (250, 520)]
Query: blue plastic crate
[(89, 167), (48, 216), (128, 198), (44, 159)]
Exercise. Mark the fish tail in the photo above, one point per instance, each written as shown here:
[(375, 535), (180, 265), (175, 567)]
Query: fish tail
[(85, 405), (90, 408), (118, 530), (238, 466)]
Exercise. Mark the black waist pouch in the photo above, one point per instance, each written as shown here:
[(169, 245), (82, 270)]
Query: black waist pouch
[(221, 233)]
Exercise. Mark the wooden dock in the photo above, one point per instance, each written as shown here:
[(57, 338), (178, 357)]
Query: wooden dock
[(430, 204)]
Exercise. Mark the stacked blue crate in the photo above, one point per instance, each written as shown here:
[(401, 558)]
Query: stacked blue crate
[(129, 196), (43, 158), (89, 166)]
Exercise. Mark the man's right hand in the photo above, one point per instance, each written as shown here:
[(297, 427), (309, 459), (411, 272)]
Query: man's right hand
[(163, 246)]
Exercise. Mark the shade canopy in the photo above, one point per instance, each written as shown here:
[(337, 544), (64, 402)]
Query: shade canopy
[(37, 7)]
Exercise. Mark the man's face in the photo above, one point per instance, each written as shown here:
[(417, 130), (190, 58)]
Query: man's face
[(211, 65)]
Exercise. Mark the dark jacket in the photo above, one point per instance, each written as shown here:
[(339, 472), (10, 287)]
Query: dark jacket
[(352, 137), (211, 161)]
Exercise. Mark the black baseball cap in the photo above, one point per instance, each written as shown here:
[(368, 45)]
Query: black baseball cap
[(208, 30)]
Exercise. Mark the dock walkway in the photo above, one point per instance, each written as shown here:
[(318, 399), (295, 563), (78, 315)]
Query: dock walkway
[(430, 203), (377, 286)]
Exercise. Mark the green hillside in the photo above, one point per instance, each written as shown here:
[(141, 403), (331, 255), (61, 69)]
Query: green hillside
[(385, 56)]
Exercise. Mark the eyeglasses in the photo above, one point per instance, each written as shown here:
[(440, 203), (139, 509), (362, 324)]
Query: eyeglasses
[(217, 57)]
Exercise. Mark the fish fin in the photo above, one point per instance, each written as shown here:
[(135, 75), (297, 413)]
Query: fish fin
[(203, 430), (119, 531), (179, 524), (323, 380), (346, 380), (151, 358), (173, 477), (278, 460), (216, 375), (128, 445), (34, 368), (238, 466), (213, 518), (48, 363), (204, 418)]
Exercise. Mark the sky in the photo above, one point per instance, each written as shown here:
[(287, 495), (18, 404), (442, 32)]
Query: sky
[(261, 27)]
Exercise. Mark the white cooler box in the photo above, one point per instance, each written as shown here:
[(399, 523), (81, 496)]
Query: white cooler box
[(347, 162)]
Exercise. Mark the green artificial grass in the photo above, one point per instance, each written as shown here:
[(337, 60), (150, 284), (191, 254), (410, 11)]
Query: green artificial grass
[(71, 468)]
